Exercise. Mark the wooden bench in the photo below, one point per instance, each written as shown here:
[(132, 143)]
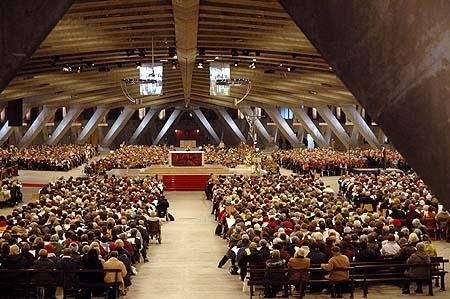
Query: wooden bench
[(257, 277), (26, 285), (366, 275)]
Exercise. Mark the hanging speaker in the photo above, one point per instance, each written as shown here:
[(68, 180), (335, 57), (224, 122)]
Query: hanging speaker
[(15, 113)]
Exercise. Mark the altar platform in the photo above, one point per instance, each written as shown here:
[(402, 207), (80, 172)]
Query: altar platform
[(189, 178)]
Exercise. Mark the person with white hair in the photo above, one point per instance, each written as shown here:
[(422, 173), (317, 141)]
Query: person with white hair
[(298, 269)]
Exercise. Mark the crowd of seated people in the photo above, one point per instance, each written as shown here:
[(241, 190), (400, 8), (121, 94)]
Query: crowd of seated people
[(55, 158), (85, 222), (227, 156), (404, 195), (330, 162), (10, 193), (8, 167), (130, 156), (269, 219)]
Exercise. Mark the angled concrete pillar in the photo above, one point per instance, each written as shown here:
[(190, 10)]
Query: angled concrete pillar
[(310, 127), (360, 124), (260, 129), (36, 127), (202, 119), (354, 139), (283, 126), (334, 124), (118, 125), (92, 124), (5, 132), (300, 133), (144, 123), (327, 135), (64, 125), (170, 121), (230, 122)]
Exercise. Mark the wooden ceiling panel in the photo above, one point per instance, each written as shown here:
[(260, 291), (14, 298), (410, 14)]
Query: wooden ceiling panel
[(98, 33)]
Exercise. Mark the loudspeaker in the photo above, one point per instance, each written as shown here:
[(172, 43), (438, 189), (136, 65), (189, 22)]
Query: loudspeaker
[(15, 113)]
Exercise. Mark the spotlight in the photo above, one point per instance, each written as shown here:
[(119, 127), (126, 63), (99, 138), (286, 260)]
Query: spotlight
[(174, 64), (67, 68), (217, 57), (254, 59), (142, 52), (130, 52), (90, 64), (200, 64), (252, 66), (138, 64), (236, 63), (173, 52), (234, 52), (79, 69), (289, 69)]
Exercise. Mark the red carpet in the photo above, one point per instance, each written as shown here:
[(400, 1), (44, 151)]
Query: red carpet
[(185, 182), (33, 185)]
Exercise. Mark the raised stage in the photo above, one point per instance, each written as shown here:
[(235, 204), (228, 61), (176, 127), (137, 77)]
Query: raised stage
[(190, 178)]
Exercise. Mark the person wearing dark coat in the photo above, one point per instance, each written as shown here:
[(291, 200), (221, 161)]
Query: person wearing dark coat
[(316, 256), (42, 279), (92, 262), (11, 262), (162, 207), (420, 273), (275, 262), (264, 251), (69, 279), (366, 254)]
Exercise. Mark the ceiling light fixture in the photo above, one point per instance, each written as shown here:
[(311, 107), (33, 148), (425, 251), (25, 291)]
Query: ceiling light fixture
[(236, 83), (124, 83)]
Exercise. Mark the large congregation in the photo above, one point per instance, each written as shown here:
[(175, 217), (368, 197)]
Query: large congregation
[(300, 221)]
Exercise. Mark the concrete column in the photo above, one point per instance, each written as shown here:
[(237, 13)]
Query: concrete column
[(64, 125), (327, 134), (170, 121), (260, 129), (334, 124), (36, 127), (92, 124), (204, 121), (5, 132), (310, 127), (283, 126), (144, 123), (221, 112), (118, 125), (360, 124)]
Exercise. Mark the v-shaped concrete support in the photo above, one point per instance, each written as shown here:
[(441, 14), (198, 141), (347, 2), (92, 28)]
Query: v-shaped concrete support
[(204, 121), (118, 125), (36, 127), (169, 123), (92, 124), (143, 124), (283, 126), (64, 125)]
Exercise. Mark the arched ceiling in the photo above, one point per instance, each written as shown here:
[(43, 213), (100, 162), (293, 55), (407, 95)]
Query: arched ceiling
[(96, 34)]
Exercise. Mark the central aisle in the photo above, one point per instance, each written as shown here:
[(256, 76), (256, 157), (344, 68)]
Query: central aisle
[(185, 264)]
